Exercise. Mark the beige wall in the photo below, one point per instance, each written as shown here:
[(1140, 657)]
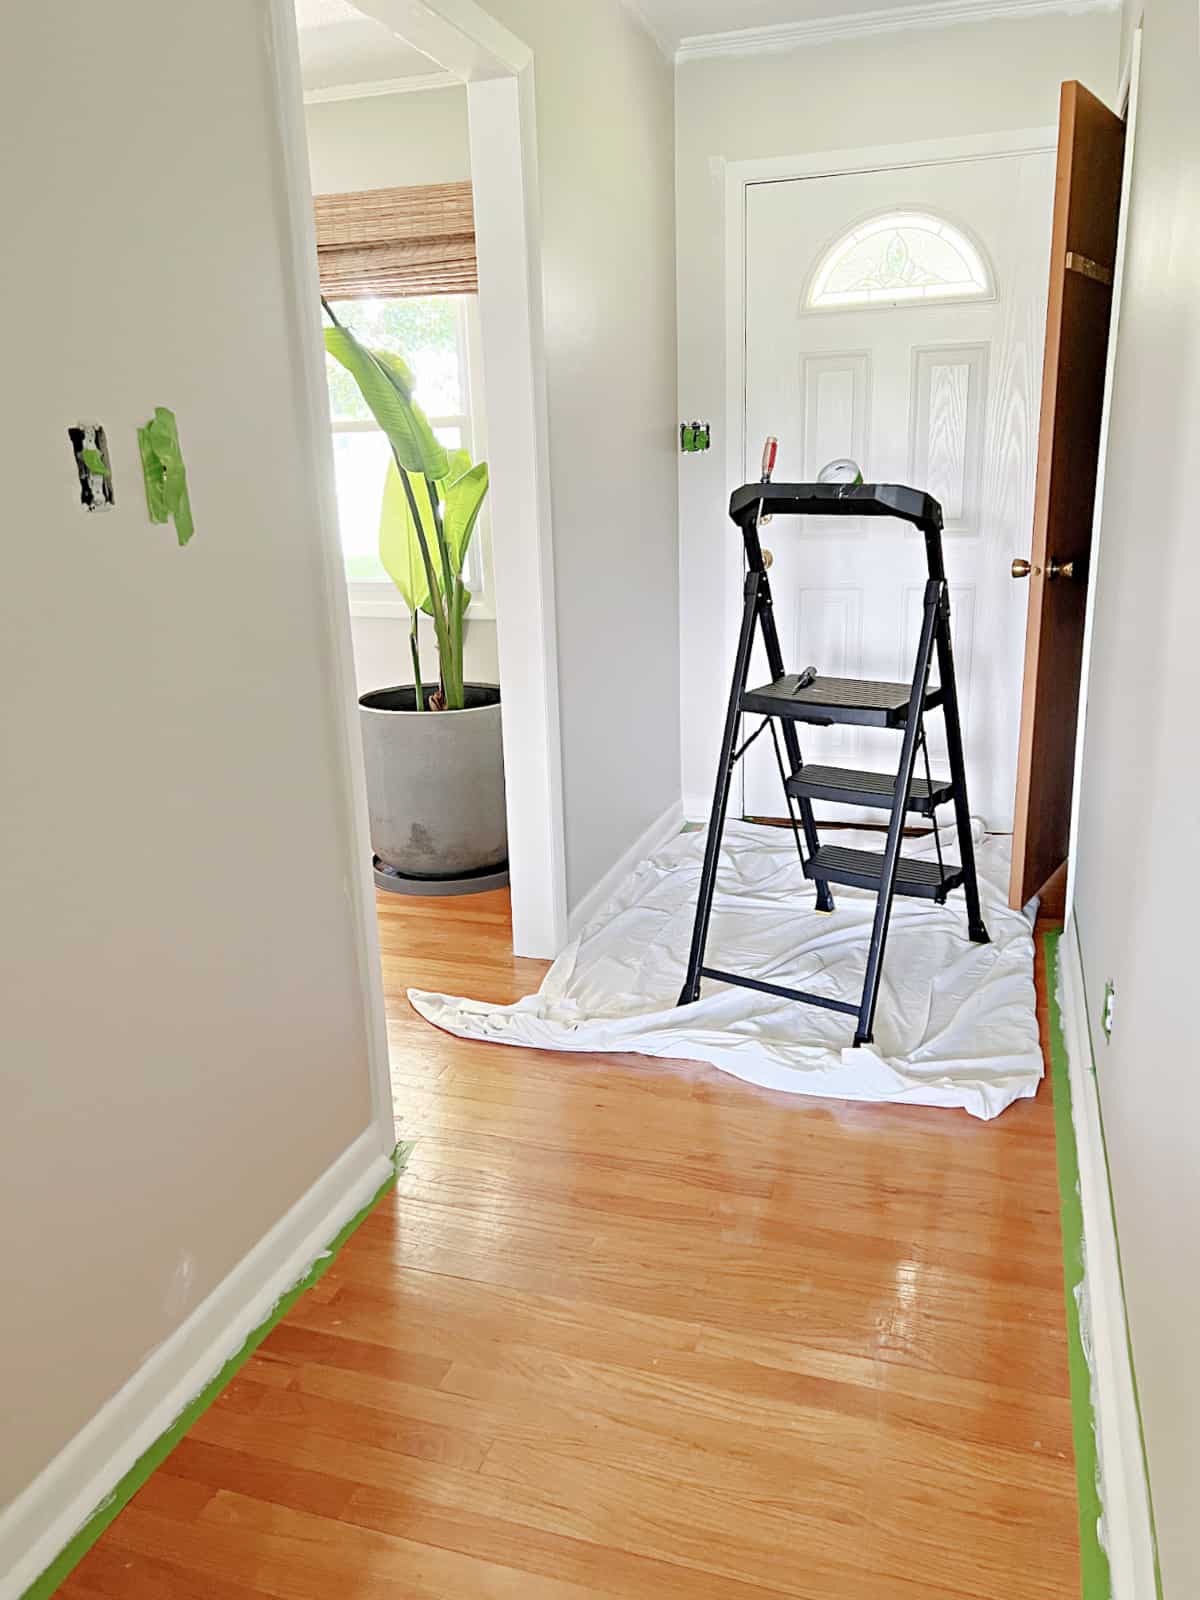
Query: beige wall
[(605, 110), (1138, 872), (377, 143), (184, 1024), (924, 84), (384, 140)]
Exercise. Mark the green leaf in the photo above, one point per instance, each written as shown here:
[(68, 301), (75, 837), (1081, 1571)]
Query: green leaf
[(94, 462), (463, 500), (398, 547), (397, 369), (386, 384)]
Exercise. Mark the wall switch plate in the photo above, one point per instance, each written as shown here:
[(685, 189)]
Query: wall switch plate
[(1110, 1006), (90, 449)]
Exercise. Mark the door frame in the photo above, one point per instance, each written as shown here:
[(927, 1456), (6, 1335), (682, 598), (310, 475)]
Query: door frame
[(497, 70), (1127, 100), (740, 177)]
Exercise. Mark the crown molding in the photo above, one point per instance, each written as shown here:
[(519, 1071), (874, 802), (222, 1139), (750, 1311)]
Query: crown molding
[(893, 19), (412, 84), (641, 16)]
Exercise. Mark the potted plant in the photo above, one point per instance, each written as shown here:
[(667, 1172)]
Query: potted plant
[(434, 757)]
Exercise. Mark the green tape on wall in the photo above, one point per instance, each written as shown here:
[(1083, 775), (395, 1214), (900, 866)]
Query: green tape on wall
[(165, 473)]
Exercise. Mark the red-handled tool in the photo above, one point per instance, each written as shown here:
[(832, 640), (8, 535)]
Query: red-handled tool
[(770, 451)]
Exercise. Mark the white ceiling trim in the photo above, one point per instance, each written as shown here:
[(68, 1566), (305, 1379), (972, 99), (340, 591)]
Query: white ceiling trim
[(893, 19), (364, 91), (639, 13)]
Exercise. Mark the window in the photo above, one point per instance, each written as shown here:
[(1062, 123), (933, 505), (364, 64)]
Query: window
[(903, 256), (436, 335)]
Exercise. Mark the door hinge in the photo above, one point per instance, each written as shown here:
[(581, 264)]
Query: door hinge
[(1088, 268)]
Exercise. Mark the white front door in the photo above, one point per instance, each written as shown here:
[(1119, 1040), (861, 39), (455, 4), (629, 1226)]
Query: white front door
[(897, 318)]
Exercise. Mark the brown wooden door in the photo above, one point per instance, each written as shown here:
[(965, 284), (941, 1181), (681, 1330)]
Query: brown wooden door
[(1091, 144)]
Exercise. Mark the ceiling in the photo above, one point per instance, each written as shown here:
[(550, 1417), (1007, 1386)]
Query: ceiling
[(340, 46)]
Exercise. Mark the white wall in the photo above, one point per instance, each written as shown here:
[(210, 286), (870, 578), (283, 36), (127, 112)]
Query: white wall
[(895, 87), (185, 1036), (604, 109), (382, 141), (1137, 870), (379, 142), (604, 112)]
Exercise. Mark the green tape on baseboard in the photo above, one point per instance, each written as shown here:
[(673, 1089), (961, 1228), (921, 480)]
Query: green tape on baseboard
[(1093, 1559), (1059, 1067), (115, 1503)]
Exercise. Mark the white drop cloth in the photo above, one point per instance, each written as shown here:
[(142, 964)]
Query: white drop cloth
[(956, 1024)]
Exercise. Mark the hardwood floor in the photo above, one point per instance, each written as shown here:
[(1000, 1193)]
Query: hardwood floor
[(634, 1329)]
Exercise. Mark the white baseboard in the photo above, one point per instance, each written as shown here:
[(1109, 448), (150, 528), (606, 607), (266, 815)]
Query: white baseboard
[(1127, 1532), (598, 896), (46, 1516)]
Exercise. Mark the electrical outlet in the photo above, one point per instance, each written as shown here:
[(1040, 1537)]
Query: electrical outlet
[(1110, 1006), (90, 449)]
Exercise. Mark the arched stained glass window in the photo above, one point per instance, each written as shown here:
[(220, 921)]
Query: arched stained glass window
[(903, 256)]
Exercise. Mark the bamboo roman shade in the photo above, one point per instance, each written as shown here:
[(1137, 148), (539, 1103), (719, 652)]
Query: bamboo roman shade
[(397, 241)]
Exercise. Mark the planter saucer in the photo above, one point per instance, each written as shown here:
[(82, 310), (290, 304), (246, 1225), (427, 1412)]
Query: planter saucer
[(480, 882)]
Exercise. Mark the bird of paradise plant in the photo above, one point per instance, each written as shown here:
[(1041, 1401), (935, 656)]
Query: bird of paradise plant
[(431, 505)]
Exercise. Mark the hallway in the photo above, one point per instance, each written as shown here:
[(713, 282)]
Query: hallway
[(630, 1329)]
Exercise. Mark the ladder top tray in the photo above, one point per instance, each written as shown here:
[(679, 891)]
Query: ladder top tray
[(837, 700), (836, 500)]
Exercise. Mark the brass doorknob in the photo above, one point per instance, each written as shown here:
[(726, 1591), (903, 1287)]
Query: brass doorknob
[(768, 560), (1064, 569), (1021, 569)]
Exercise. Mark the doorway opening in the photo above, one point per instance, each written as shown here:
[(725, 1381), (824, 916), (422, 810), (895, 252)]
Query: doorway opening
[(423, 168)]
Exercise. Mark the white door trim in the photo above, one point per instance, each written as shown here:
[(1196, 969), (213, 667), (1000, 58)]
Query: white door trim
[(1129, 106), (497, 69), (740, 176)]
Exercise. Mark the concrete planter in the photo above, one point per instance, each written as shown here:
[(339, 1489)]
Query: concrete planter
[(435, 786)]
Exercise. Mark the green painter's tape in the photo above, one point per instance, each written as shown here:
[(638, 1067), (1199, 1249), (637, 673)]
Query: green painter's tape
[(1093, 1559), (158, 1452), (1052, 941), (165, 473)]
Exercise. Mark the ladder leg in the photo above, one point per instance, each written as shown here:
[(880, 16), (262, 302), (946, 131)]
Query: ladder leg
[(958, 773), (791, 743), (716, 823), (891, 854)]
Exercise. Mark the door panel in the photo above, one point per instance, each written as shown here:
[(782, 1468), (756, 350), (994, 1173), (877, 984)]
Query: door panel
[(938, 393), (836, 398), (949, 402), (1087, 205)]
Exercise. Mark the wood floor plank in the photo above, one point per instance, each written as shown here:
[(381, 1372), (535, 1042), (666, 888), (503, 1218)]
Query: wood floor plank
[(629, 1328)]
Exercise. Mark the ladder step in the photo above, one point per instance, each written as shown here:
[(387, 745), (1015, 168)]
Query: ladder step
[(861, 701), (863, 869), (847, 787)]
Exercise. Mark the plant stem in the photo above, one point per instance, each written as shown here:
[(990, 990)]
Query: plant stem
[(328, 310), (452, 670), (456, 632), (441, 621), (414, 644)]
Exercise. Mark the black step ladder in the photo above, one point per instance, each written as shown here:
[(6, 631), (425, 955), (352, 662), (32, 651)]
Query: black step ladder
[(791, 699)]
